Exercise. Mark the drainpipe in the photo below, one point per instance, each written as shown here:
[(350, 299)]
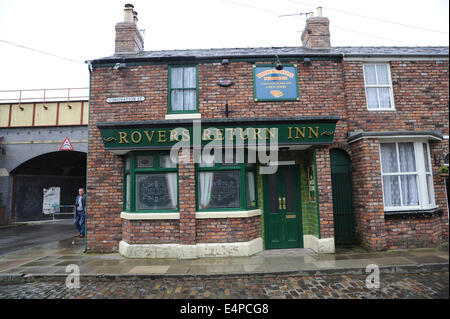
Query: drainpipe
[(89, 105)]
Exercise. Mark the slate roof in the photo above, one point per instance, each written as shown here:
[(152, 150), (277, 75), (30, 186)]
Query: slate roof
[(281, 52)]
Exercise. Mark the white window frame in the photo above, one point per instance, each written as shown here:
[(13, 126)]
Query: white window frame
[(389, 86), (421, 174)]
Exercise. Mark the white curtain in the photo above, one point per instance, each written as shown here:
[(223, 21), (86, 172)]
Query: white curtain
[(389, 158), (206, 180), (183, 84), (393, 183), (391, 191), (251, 188), (176, 79), (409, 190), (407, 159), (171, 179)]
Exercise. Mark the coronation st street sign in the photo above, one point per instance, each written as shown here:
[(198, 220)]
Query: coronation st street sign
[(129, 138), (125, 99)]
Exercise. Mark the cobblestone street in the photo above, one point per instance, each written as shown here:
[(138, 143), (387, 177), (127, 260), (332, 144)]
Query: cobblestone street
[(433, 285)]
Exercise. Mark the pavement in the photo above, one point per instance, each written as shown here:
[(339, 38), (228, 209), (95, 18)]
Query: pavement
[(22, 235), (49, 260)]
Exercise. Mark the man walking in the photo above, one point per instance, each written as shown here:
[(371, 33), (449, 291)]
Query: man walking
[(80, 207)]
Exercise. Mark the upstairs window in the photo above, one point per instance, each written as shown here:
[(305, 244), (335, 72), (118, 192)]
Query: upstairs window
[(183, 89), (378, 85)]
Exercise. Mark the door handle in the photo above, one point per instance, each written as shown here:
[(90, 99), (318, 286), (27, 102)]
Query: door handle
[(284, 203), (280, 207)]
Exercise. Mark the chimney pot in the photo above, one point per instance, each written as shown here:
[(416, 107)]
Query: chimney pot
[(128, 37), (316, 34), (319, 11)]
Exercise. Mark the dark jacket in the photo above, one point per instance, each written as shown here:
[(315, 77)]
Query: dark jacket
[(83, 202)]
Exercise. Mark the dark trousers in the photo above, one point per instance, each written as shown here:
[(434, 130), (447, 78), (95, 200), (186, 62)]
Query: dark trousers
[(79, 222)]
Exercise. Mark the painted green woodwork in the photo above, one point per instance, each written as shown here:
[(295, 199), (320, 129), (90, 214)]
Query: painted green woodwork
[(344, 223), (282, 212), (139, 137)]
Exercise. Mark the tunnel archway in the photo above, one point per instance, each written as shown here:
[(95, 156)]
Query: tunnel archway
[(64, 169)]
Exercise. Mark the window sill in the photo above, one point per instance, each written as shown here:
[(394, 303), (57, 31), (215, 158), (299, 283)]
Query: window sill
[(429, 212), (228, 214), (381, 110), (183, 116), (149, 216)]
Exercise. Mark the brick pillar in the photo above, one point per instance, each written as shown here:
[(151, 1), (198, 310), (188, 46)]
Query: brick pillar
[(186, 195), (325, 193), (368, 194)]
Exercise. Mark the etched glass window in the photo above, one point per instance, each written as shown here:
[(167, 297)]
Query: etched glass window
[(219, 189), (144, 161), (156, 191)]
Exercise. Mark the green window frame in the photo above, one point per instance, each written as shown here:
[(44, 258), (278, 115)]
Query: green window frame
[(182, 90), (247, 190), (143, 165)]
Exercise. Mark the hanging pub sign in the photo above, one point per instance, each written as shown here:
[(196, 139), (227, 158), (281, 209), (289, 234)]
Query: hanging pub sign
[(270, 84)]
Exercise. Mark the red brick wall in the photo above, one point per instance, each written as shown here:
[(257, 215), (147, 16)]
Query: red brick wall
[(151, 231), (368, 194), (325, 87), (325, 193), (228, 230), (415, 232)]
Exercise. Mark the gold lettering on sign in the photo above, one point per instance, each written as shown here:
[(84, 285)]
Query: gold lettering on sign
[(123, 138), (314, 132), (207, 135), (174, 136), (290, 133), (186, 137), (133, 137), (162, 138), (219, 135), (241, 133), (231, 133), (269, 133), (149, 137), (297, 132)]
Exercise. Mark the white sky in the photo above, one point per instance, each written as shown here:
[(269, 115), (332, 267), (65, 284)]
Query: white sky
[(83, 30)]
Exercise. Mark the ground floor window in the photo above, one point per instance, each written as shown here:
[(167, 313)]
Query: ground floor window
[(406, 175), (225, 184), (151, 182)]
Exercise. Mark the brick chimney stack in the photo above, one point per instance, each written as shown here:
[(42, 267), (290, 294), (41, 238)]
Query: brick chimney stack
[(128, 37), (317, 32)]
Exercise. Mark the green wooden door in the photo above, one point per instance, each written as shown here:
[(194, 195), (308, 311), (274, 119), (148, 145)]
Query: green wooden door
[(344, 223), (282, 209)]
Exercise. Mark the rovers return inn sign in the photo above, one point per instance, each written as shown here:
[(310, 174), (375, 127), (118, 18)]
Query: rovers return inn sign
[(129, 137)]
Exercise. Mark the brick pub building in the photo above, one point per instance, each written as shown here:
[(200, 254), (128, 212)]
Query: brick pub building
[(361, 132)]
